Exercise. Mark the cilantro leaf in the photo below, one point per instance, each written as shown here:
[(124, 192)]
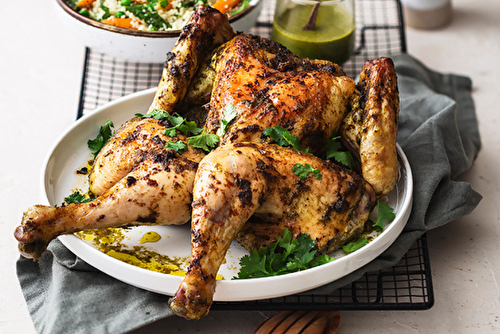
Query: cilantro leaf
[(355, 245), (204, 141), (303, 171), (334, 150), (105, 133), (284, 256), (177, 146), (77, 197), (385, 213), (178, 123), (155, 113), (292, 140), (229, 115), (282, 137), (254, 264)]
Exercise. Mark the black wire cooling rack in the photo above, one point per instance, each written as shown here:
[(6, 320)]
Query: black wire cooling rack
[(379, 32)]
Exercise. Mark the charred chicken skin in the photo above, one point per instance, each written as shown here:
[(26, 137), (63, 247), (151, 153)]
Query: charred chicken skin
[(238, 181), (268, 86), (244, 189)]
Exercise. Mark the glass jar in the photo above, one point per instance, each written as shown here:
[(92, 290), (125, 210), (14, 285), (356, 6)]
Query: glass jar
[(316, 29)]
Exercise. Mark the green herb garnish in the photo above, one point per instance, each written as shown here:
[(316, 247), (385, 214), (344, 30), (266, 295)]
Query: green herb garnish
[(303, 171), (177, 146), (283, 138), (77, 197), (106, 11), (385, 213), (179, 123), (204, 141), (155, 114), (229, 115), (355, 245), (284, 256), (105, 133), (148, 15), (334, 151)]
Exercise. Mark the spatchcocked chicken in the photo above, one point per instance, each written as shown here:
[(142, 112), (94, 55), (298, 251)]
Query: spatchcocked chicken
[(245, 188)]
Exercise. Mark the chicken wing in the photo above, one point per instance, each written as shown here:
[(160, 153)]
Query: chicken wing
[(206, 29), (370, 129)]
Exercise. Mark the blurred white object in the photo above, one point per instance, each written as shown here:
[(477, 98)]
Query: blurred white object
[(427, 14)]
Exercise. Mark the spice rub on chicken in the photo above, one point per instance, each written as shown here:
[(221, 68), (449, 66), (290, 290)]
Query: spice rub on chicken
[(238, 181), (245, 188)]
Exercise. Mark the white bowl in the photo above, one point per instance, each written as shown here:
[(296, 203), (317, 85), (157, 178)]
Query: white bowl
[(70, 153), (134, 45)]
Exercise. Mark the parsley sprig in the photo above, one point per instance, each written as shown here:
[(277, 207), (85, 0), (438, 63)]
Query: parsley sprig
[(355, 245), (284, 138), (229, 115), (199, 139), (286, 255), (77, 197), (104, 135), (178, 123), (385, 213), (204, 141), (335, 151), (303, 171), (177, 146)]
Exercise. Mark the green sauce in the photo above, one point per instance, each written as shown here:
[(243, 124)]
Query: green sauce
[(333, 38)]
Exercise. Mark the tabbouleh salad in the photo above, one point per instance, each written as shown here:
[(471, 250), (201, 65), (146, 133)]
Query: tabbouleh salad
[(150, 15)]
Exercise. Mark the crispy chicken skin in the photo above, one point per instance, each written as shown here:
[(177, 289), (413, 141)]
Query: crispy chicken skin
[(238, 181), (370, 129), (156, 191), (269, 86), (130, 146), (206, 29)]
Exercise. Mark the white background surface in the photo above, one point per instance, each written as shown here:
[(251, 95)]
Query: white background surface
[(40, 77)]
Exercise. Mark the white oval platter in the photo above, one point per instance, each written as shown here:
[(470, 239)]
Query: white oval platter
[(70, 153)]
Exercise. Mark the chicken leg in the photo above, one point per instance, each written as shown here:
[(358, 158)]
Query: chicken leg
[(239, 180), (157, 191)]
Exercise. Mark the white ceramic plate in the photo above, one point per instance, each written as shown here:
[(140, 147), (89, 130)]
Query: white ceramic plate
[(70, 153)]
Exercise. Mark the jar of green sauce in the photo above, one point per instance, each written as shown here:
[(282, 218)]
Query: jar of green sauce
[(316, 29)]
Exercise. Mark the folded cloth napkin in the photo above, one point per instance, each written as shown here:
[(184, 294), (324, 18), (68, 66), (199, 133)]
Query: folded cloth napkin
[(439, 134)]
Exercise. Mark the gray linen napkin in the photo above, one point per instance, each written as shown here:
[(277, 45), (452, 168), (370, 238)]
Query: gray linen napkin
[(439, 134)]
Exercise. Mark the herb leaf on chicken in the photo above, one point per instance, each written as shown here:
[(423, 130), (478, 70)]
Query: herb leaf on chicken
[(284, 256)]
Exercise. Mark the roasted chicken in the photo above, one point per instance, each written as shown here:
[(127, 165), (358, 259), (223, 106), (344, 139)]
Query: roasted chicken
[(267, 85), (238, 181), (244, 189)]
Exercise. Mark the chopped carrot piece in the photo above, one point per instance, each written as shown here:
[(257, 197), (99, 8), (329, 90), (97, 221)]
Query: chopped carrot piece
[(119, 22), (84, 3), (224, 6)]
